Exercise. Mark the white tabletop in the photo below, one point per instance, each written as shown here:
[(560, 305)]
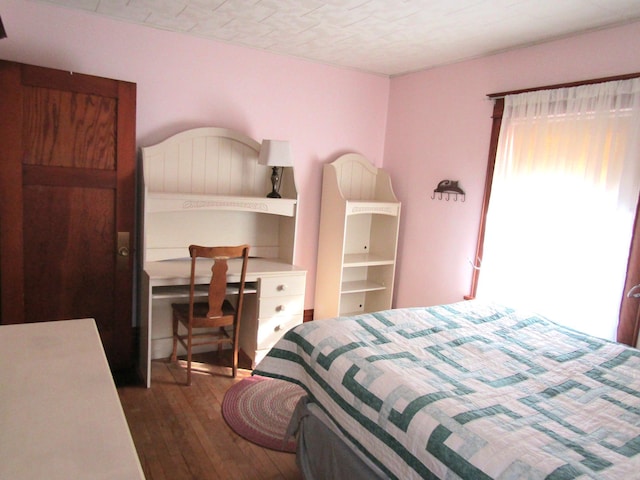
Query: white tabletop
[(178, 271), (60, 414)]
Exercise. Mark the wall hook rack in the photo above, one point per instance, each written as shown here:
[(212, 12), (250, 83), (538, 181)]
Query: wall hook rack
[(447, 189)]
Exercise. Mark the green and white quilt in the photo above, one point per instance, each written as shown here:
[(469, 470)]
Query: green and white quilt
[(471, 391)]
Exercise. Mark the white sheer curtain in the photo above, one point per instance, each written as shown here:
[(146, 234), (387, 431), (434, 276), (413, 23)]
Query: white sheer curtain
[(560, 218)]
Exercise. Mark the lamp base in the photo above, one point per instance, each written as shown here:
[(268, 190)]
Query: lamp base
[(274, 182)]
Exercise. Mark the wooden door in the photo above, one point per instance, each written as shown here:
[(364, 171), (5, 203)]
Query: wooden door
[(67, 190)]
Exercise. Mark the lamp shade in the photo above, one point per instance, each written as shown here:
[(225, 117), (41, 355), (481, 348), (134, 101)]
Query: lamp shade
[(275, 153)]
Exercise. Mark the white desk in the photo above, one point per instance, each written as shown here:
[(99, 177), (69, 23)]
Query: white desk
[(276, 306), (205, 186), (60, 415)]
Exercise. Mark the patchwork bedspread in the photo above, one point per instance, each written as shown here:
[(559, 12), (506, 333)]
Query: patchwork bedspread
[(470, 391)]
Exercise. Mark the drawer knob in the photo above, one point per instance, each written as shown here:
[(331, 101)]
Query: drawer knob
[(277, 329), (280, 308), (282, 287)]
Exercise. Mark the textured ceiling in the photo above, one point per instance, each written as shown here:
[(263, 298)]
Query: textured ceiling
[(388, 37)]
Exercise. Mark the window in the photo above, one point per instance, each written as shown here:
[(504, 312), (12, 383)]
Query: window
[(561, 202)]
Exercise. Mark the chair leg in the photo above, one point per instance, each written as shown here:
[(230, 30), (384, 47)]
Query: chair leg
[(189, 356), (234, 368), (174, 353), (234, 347)]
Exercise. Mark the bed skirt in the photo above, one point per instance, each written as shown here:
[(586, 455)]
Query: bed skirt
[(322, 451)]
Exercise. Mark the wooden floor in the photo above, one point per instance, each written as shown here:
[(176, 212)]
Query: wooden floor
[(179, 431)]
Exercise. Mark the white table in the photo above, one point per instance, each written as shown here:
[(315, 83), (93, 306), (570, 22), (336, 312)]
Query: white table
[(60, 414)]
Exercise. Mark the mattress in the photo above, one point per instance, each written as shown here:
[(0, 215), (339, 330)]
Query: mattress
[(469, 390)]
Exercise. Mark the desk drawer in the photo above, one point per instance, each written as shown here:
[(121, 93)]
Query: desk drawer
[(279, 306), (271, 329), (282, 285)]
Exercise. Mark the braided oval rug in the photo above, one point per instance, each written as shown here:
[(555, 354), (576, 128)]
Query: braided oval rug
[(259, 409)]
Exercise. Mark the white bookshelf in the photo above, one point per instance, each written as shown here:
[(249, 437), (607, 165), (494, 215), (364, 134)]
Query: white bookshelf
[(358, 240)]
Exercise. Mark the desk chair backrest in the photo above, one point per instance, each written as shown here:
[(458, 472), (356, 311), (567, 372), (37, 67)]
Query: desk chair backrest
[(218, 283), (208, 323)]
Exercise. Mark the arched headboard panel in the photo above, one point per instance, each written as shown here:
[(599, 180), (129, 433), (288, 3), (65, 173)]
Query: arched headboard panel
[(206, 161)]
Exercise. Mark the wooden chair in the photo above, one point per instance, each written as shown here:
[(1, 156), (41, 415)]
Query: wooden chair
[(218, 316)]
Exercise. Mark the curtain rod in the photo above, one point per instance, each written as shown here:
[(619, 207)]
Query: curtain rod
[(494, 96)]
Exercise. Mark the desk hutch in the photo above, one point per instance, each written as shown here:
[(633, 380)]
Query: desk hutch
[(205, 186)]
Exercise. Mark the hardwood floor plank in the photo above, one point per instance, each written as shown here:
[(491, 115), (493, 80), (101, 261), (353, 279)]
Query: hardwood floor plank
[(201, 462), (162, 457), (144, 434), (180, 433)]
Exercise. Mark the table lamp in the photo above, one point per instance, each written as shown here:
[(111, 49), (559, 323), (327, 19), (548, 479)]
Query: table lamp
[(275, 153)]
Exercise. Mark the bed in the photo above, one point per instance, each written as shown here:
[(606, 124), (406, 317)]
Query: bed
[(464, 390)]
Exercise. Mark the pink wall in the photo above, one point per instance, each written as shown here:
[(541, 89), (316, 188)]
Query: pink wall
[(438, 128), (437, 124), (184, 82)]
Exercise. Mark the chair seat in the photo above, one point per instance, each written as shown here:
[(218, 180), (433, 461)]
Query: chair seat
[(200, 311)]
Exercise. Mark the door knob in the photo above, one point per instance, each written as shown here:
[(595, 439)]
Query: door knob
[(122, 250)]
